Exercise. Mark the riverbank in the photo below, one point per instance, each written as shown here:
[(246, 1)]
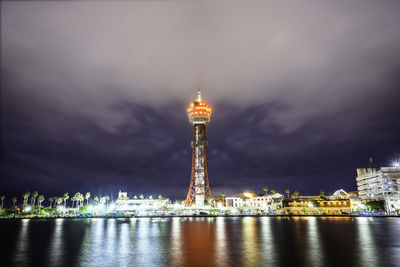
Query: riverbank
[(191, 216)]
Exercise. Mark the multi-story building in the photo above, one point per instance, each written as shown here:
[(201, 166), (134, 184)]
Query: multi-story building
[(235, 202), (381, 185), (257, 201), (124, 203)]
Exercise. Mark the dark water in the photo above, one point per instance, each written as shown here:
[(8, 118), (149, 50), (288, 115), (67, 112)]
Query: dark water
[(249, 241)]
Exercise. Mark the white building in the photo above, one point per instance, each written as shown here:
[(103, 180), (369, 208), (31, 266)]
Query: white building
[(340, 194), (381, 185), (249, 200), (124, 203), (258, 202), (235, 202)]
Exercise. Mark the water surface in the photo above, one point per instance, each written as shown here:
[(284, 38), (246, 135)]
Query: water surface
[(219, 241)]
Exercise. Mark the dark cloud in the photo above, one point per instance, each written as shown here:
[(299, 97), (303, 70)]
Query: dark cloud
[(94, 93)]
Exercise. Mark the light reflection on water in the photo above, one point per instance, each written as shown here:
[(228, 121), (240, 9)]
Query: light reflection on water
[(57, 244), (96, 242), (248, 241), (110, 239), (21, 252), (367, 247), (176, 245), (221, 246), (269, 254), (146, 243), (124, 244), (314, 244)]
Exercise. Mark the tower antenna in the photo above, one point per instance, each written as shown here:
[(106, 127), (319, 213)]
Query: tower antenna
[(198, 93)]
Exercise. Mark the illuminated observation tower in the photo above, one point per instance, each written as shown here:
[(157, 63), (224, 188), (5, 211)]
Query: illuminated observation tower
[(199, 116)]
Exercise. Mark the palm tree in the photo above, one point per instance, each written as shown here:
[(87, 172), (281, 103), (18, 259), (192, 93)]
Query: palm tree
[(107, 198), (73, 199), (160, 197), (78, 197), (59, 200), (273, 191), (87, 196), (296, 193), (287, 191), (26, 196), (65, 197), (81, 199), (96, 200), (151, 197), (2, 197), (223, 198), (14, 199), (135, 197), (33, 198), (51, 201), (322, 193), (40, 200), (141, 196), (265, 190)]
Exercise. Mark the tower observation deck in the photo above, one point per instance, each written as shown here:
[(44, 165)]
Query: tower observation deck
[(199, 116)]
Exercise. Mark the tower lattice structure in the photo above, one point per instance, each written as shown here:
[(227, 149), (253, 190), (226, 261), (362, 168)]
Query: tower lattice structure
[(199, 113)]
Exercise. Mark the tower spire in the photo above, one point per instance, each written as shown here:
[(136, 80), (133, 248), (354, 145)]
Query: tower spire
[(198, 93)]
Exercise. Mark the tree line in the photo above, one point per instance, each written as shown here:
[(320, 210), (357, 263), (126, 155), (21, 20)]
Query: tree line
[(35, 200)]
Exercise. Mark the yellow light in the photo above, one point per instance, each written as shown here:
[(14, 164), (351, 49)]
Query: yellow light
[(247, 194)]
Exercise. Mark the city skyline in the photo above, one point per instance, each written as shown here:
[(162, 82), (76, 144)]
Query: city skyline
[(98, 105)]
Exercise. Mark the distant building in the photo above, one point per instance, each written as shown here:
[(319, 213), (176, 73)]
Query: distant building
[(311, 205), (340, 194), (235, 202), (217, 202), (126, 204), (382, 185), (257, 201)]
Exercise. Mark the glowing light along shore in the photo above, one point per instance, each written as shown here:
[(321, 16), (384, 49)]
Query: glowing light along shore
[(199, 113)]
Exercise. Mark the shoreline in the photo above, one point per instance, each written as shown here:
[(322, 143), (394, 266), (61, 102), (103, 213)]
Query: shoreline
[(199, 216)]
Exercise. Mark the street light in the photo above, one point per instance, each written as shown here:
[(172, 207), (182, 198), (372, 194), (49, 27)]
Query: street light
[(28, 209), (396, 163), (249, 195)]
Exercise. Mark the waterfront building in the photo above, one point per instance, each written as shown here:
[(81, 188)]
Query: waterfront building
[(340, 194), (218, 202), (337, 204), (199, 113), (272, 202), (382, 185), (124, 203), (235, 202), (256, 201)]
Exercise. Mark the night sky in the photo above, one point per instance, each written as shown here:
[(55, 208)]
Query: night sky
[(94, 94)]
